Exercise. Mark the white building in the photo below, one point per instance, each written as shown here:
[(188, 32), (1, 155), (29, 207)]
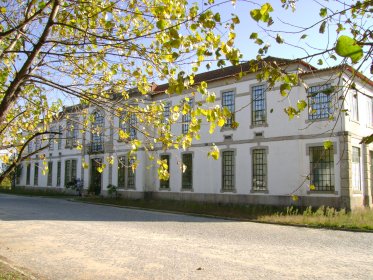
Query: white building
[(266, 160)]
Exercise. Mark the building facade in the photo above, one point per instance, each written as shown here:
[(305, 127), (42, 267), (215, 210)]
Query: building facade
[(267, 159)]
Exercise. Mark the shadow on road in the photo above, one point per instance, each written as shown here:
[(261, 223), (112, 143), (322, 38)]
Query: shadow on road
[(14, 208)]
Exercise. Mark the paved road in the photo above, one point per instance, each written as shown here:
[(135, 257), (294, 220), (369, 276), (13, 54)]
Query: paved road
[(58, 239)]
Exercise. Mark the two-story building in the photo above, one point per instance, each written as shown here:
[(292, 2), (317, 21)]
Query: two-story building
[(267, 159)]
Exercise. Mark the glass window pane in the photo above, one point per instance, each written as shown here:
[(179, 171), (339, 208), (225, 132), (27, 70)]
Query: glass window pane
[(322, 168), (228, 102), (228, 171), (259, 169), (258, 105), (187, 174)]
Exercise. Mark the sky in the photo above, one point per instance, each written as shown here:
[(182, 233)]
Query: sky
[(306, 14)]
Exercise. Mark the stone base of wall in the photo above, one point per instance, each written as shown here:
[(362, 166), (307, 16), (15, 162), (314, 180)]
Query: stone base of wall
[(46, 189), (126, 194), (248, 199), (279, 200)]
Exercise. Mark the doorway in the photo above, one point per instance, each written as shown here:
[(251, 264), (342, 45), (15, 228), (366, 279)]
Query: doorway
[(96, 176)]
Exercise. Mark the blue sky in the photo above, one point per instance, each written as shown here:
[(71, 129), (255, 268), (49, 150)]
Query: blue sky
[(306, 14)]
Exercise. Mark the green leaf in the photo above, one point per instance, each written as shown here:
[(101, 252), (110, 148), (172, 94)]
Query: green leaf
[(284, 88), (304, 36), (348, 47), (262, 14), (161, 24), (323, 12), (254, 35), (328, 144), (301, 105), (322, 27), (279, 39)]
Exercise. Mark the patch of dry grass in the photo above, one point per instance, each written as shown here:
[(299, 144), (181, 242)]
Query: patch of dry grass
[(7, 273), (323, 217)]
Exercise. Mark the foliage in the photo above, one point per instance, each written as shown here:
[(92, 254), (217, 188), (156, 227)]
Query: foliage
[(107, 54), (97, 52), (112, 191), (70, 185)]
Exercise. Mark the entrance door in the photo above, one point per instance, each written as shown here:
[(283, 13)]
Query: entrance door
[(96, 177)]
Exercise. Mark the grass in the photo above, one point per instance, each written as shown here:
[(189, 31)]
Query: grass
[(34, 192), (328, 217), (323, 217), (7, 273)]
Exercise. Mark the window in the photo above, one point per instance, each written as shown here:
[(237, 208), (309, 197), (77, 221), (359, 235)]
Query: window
[(319, 102), (51, 140), (187, 171), (228, 102), (126, 174), (18, 173), (165, 184), (50, 173), (166, 112), (37, 143), (70, 171), (128, 123), (28, 174), (356, 169), (59, 137), (58, 174), (29, 147), (322, 168), (354, 108), (36, 174), (228, 171), (72, 131), (259, 164), (97, 136), (258, 105), (186, 118)]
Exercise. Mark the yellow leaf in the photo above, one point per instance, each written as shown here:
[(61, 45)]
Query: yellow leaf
[(214, 153), (110, 160), (221, 122), (123, 135), (294, 197), (85, 165), (312, 187)]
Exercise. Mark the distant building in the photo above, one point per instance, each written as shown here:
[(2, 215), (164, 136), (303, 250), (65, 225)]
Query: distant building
[(266, 160)]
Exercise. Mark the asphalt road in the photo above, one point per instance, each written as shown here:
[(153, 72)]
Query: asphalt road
[(59, 239)]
